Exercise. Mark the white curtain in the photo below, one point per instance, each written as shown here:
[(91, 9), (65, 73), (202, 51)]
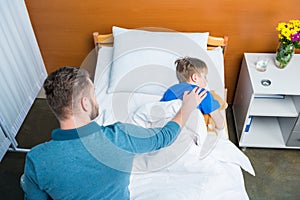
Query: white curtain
[(22, 69), (4, 143)]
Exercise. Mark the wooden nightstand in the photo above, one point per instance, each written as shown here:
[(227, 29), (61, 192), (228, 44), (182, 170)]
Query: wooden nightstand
[(268, 115)]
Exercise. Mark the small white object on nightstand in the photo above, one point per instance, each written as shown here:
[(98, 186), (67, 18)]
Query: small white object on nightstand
[(262, 64)]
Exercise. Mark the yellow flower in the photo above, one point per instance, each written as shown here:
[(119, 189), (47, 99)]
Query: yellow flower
[(286, 30), (280, 26), (295, 23)]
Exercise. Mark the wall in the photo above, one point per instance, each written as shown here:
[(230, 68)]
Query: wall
[(64, 27)]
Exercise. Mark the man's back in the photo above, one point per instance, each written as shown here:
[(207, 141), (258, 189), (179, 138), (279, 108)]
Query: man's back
[(66, 168), (90, 162)]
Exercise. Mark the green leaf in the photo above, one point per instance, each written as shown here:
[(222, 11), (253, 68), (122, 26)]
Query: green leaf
[(297, 45)]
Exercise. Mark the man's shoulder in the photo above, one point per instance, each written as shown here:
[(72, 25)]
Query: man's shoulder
[(40, 149)]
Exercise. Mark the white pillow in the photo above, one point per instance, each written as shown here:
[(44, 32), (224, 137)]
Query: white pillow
[(199, 38), (217, 57), (142, 59), (104, 64)]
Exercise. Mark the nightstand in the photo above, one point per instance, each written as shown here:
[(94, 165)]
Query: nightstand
[(266, 105)]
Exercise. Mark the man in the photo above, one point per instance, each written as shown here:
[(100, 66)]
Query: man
[(84, 160)]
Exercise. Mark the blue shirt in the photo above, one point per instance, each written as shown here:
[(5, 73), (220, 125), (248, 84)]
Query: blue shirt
[(208, 105), (90, 162)]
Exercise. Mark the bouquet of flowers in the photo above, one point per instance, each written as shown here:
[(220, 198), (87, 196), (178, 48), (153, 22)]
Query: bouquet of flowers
[(289, 38), (289, 33)]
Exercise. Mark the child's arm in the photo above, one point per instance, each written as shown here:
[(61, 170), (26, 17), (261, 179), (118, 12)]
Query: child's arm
[(218, 119), (216, 115)]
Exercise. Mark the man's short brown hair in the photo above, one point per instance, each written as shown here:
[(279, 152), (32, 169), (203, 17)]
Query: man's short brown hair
[(63, 87)]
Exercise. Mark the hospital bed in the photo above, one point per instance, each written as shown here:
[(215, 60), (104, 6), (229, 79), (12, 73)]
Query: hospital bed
[(134, 68)]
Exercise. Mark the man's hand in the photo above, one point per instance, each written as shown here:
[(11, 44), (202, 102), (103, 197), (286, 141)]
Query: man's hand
[(190, 102), (192, 99)]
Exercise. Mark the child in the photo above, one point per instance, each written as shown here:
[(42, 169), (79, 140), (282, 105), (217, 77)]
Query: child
[(191, 73)]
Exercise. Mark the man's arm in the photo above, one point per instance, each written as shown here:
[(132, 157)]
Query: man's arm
[(189, 103), (137, 139)]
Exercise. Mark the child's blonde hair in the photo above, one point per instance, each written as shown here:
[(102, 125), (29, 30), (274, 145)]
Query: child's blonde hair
[(186, 67)]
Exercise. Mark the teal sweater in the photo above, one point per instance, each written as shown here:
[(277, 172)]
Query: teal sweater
[(90, 162)]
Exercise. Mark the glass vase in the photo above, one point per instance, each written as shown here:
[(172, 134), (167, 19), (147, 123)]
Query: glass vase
[(284, 55)]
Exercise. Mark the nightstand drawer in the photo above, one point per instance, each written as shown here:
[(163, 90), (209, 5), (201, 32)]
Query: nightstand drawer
[(294, 139)]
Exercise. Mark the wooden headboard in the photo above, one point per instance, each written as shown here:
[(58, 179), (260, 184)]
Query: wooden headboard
[(213, 42)]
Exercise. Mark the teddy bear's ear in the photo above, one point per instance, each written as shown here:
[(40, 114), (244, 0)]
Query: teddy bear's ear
[(224, 105)]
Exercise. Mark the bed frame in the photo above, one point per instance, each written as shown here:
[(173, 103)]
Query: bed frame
[(213, 41)]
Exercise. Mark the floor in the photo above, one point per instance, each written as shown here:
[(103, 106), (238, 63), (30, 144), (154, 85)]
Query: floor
[(277, 171)]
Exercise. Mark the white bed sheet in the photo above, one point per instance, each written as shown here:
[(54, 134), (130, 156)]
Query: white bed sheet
[(217, 176)]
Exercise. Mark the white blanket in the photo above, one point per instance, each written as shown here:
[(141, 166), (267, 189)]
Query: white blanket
[(178, 171)]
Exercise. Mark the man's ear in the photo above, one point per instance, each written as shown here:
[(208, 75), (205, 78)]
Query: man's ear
[(85, 103)]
